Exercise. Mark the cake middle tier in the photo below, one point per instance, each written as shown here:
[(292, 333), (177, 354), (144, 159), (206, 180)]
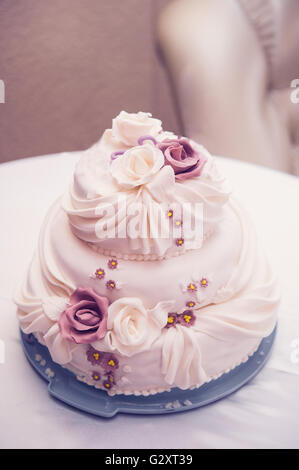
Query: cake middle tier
[(197, 275)]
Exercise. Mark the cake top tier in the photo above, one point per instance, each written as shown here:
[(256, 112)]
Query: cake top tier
[(145, 193)]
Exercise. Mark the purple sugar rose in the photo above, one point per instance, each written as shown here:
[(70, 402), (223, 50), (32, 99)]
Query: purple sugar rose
[(85, 319), (185, 161)]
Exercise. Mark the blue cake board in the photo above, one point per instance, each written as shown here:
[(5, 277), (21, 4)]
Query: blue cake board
[(63, 385)]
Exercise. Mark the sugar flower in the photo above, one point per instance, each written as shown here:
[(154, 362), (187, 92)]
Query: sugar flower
[(132, 327), (187, 318)]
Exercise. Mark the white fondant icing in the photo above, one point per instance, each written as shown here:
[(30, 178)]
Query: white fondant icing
[(53, 306), (233, 313), (60, 349), (181, 357), (107, 211)]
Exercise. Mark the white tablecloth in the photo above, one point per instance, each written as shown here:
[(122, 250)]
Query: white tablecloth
[(264, 413)]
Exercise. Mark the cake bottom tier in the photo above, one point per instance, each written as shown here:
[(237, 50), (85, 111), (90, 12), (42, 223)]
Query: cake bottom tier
[(64, 386)]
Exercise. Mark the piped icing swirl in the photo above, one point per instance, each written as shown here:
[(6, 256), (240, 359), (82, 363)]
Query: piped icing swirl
[(126, 186)]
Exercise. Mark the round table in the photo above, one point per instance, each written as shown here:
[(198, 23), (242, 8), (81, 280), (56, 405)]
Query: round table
[(264, 413)]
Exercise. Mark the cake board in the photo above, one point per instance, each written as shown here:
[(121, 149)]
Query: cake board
[(64, 386)]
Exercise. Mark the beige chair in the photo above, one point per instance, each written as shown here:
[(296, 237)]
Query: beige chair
[(231, 64)]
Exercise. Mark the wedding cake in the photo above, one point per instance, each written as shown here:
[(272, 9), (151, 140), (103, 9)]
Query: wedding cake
[(148, 273)]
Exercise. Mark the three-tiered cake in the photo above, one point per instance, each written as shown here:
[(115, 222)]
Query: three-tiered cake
[(148, 273)]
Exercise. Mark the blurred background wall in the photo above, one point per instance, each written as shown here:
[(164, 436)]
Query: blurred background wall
[(70, 66)]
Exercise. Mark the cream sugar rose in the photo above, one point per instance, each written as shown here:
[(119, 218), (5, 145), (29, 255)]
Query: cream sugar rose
[(143, 314)]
